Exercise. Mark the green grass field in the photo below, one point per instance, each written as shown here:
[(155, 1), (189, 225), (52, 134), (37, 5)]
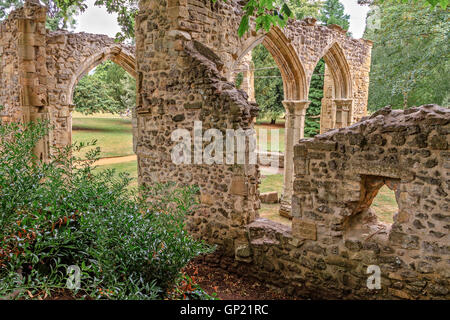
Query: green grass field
[(113, 133), (385, 205), (115, 140)]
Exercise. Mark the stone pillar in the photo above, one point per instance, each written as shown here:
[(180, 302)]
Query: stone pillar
[(247, 67), (32, 69), (294, 131), (135, 128), (249, 82), (343, 112), (327, 113)]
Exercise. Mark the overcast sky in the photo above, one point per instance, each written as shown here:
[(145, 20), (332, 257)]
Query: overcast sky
[(97, 20)]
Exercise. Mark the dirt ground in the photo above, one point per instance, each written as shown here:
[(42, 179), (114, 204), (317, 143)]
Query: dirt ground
[(230, 286)]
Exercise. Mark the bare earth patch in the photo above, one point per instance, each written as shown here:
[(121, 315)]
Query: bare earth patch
[(230, 286)]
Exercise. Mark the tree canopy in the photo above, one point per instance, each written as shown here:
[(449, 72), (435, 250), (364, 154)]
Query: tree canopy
[(410, 56), (332, 12), (58, 16), (108, 89)]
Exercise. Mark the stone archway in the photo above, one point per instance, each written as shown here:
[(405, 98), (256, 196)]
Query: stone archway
[(69, 57), (337, 103), (295, 88), (115, 54), (292, 70)]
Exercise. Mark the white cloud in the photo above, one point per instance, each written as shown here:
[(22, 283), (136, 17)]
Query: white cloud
[(357, 16), (97, 20)]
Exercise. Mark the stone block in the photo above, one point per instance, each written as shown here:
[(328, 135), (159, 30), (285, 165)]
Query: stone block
[(269, 197), (239, 186), (304, 229)]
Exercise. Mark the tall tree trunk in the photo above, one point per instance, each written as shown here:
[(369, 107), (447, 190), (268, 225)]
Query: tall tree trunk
[(272, 121)]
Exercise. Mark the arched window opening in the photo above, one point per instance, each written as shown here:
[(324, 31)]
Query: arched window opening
[(274, 77), (331, 88), (270, 124), (103, 102)]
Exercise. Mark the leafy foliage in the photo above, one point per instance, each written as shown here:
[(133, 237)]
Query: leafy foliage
[(266, 14), (332, 12), (312, 121), (268, 83), (128, 244), (301, 8), (410, 56), (109, 89), (59, 15)]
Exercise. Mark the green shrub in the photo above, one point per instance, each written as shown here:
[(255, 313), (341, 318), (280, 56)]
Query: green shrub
[(129, 244)]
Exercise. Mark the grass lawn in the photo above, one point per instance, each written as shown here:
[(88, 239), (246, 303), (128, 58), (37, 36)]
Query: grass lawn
[(130, 167), (271, 182), (113, 133), (385, 205)]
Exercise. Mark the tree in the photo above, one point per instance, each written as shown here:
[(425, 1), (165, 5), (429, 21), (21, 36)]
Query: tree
[(332, 12), (109, 89), (312, 121), (58, 16), (268, 82), (302, 8), (410, 56)]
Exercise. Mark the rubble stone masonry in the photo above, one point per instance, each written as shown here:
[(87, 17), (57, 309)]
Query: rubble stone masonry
[(186, 55)]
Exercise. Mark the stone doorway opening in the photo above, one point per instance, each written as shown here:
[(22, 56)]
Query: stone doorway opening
[(103, 106)]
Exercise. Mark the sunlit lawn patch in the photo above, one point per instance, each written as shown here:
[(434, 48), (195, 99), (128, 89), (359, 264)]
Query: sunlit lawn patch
[(113, 134)]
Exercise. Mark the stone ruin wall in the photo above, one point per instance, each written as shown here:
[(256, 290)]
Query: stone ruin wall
[(301, 44), (40, 68), (9, 76), (22, 69), (179, 82), (337, 176), (213, 25), (185, 54), (335, 235)]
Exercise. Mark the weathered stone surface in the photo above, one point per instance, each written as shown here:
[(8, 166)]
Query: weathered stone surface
[(269, 197), (415, 248), (304, 229), (184, 71)]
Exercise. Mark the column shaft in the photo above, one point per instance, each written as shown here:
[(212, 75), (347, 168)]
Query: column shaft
[(294, 131)]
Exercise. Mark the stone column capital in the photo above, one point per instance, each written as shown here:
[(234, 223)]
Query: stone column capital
[(343, 103), (296, 106)]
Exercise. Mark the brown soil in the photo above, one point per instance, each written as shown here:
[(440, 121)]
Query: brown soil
[(230, 286)]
